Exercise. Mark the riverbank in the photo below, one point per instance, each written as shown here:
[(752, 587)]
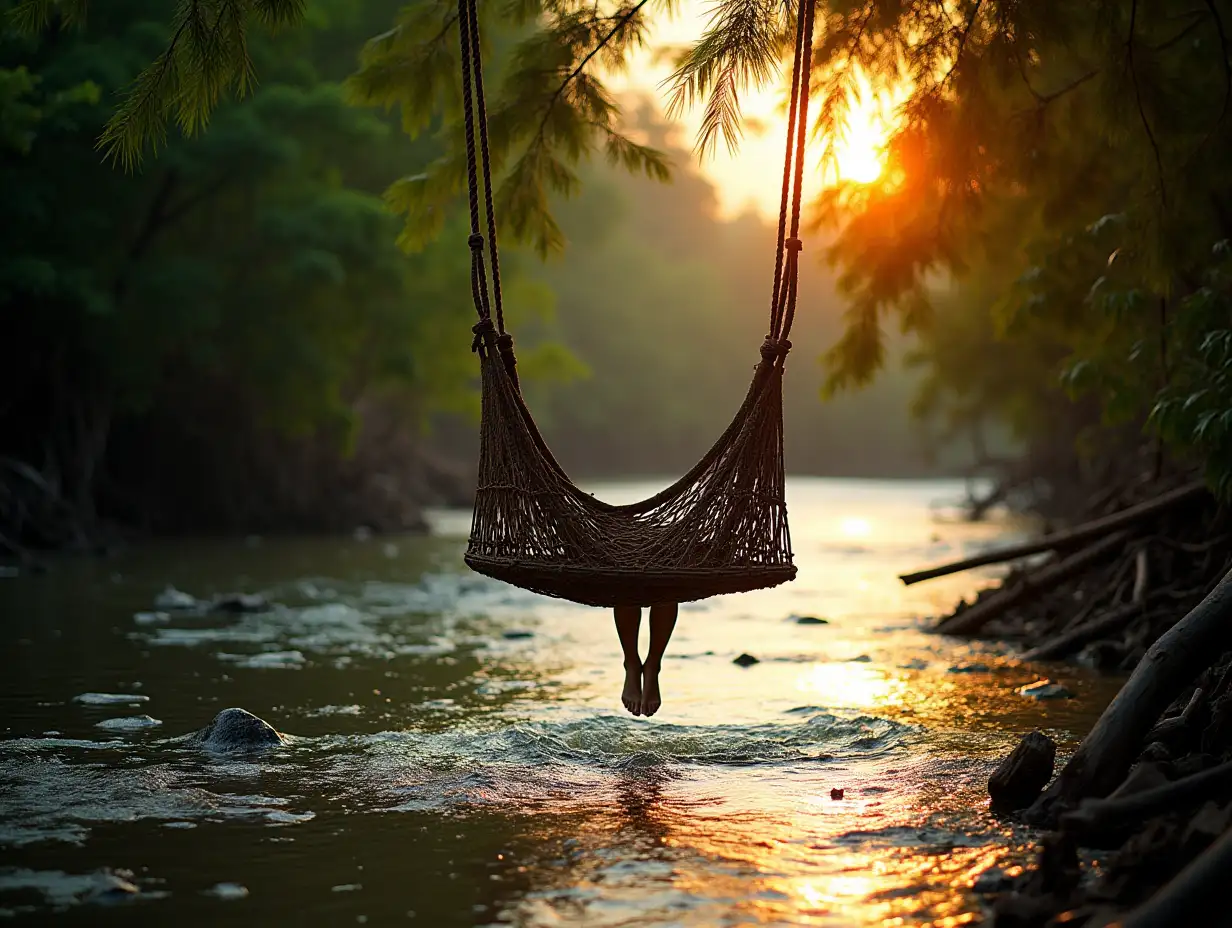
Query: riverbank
[(1139, 587)]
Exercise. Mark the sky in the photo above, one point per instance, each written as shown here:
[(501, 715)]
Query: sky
[(751, 178)]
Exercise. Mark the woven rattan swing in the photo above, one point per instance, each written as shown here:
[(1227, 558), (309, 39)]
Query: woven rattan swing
[(722, 527)]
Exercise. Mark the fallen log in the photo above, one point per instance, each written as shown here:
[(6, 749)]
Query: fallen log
[(1171, 664), (1076, 637), (1195, 896), (975, 617), (1068, 538), (1093, 815)]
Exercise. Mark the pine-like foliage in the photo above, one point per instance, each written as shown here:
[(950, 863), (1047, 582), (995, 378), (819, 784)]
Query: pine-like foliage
[(547, 107), (205, 58)]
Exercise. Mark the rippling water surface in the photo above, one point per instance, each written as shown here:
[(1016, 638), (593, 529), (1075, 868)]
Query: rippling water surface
[(459, 755)]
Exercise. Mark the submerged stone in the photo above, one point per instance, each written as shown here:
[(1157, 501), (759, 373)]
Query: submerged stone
[(235, 731), (746, 660)]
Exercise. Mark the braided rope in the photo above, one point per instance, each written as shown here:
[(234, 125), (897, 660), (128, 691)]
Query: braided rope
[(720, 528)]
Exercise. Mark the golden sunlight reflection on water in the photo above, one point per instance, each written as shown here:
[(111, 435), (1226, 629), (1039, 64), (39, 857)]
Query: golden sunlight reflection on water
[(460, 750)]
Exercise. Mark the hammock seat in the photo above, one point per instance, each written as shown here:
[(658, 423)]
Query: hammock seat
[(721, 528)]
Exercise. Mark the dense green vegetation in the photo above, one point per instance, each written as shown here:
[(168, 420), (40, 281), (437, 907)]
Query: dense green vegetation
[(228, 337), (173, 337), (1060, 163)]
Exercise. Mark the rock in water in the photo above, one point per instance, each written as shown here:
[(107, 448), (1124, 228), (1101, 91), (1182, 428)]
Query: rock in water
[(1044, 689), (811, 620), (746, 660), (236, 730), (1023, 775)]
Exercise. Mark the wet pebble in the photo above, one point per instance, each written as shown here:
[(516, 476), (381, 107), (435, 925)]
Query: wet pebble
[(1044, 689), (746, 660), (132, 723), (110, 699)]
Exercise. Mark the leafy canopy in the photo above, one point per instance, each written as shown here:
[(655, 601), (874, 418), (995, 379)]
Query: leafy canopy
[(1068, 157)]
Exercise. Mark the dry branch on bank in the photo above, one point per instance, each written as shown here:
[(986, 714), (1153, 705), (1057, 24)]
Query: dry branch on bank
[(1070, 538), (1173, 662), (972, 619)]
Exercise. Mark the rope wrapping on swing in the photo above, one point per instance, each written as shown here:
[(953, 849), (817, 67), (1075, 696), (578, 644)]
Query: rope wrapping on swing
[(720, 528)]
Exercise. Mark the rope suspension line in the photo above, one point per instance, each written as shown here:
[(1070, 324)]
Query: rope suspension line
[(720, 528)]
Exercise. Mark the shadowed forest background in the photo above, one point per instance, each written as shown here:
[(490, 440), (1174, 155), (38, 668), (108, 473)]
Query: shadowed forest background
[(230, 338), (262, 326)]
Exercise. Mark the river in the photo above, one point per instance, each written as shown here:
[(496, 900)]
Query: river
[(458, 754)]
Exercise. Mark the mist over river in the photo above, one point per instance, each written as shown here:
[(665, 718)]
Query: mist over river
[(458, 754)]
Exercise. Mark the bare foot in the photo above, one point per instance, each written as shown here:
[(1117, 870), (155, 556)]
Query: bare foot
[(651, 700), (632, 694)]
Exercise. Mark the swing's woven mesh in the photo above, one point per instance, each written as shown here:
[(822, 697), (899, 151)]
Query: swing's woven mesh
[(721, 528)]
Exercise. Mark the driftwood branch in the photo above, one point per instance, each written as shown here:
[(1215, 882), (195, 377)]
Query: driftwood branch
[(1082, 634), (1097, 814), (975, 617), (1171, 664), (1192, 895), (1069, 538)]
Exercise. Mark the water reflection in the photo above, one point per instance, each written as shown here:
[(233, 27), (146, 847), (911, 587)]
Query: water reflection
[(459, 751)]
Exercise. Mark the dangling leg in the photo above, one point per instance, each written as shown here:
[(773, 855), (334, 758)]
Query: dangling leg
[(628, 624), (662, 623)]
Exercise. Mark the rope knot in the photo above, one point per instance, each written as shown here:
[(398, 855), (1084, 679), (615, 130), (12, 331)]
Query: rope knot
[(774, 348), (794, 244), (475, 240), (504, 342), (480, 328)]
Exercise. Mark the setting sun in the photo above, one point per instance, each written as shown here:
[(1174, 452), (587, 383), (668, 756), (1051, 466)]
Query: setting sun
[(859, 156), (750, 178)]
